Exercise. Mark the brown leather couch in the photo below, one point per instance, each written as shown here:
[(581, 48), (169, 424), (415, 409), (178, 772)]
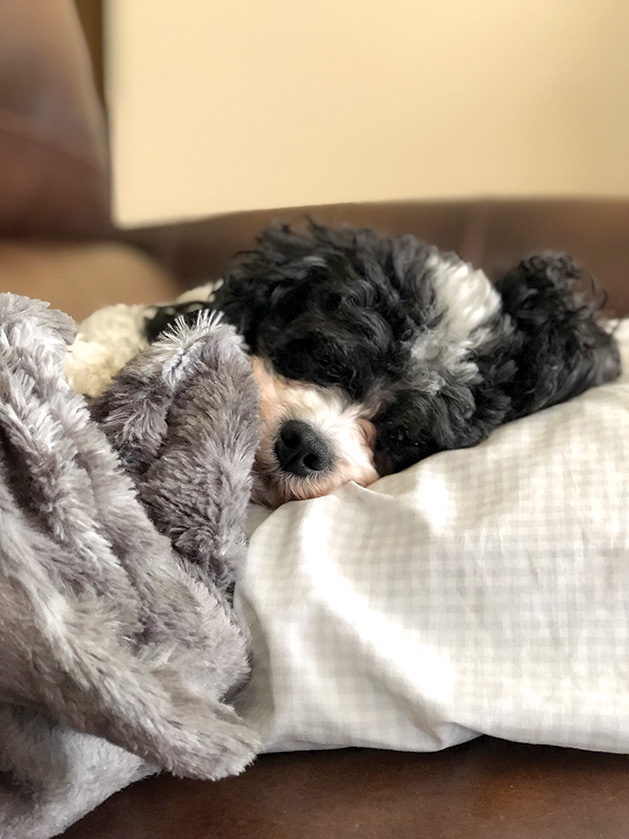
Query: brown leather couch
[(57, 242)]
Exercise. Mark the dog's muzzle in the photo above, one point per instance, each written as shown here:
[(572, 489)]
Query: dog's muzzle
[(302, 451)]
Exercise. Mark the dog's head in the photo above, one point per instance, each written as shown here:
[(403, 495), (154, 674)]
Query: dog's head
[(314, 440), (374, 352)]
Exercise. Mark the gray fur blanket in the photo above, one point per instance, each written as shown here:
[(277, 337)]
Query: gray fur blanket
[(121, 533)]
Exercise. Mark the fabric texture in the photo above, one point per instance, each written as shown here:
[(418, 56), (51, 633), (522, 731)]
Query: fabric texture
[(481, 591), (119, 647)]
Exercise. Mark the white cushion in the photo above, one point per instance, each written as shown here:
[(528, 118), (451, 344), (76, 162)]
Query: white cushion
[(480, 591)]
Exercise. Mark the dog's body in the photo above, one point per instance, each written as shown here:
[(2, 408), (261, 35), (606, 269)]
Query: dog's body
[(374, 352)]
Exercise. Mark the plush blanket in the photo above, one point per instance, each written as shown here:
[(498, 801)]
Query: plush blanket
[(120, 541)]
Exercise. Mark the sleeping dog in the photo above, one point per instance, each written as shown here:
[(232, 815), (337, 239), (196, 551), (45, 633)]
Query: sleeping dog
[(373, 352)]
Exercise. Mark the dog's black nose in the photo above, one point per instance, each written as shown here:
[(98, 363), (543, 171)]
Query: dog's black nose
[(301, 450)]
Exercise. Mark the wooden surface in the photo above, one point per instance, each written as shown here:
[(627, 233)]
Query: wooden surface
[(486, 789)]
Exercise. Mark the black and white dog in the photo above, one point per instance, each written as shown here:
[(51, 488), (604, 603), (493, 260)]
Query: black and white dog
[(374, 352)]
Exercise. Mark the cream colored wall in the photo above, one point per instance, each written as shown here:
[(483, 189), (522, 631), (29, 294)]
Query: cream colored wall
[(222, 105)]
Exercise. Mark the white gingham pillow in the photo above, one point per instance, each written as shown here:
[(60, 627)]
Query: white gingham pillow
[(481, 591)]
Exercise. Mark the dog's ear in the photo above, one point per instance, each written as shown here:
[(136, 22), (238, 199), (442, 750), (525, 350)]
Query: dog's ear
[(560, 348)]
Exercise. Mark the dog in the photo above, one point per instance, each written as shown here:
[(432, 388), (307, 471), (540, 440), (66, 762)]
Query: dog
[(374, 352)]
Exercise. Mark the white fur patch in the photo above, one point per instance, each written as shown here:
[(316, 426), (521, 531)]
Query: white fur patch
[(465, 300), (464, 295), (344, 426)]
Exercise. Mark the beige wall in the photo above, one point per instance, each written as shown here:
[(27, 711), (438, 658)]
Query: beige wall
[(222, 105)]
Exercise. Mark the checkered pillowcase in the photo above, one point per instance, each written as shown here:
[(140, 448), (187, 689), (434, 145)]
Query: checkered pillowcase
[(481, 591)]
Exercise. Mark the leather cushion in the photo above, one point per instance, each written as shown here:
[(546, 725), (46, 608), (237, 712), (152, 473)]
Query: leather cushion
[(53, 155)]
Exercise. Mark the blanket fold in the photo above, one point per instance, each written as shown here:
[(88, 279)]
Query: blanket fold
[(119, 547)]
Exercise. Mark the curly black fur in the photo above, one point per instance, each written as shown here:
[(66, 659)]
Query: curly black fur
[(373, 315), (560, 349)]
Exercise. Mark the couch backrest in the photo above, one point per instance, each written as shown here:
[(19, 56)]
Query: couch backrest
[(492, 235)]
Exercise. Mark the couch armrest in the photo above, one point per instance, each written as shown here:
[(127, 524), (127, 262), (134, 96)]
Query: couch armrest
[(53, 150)]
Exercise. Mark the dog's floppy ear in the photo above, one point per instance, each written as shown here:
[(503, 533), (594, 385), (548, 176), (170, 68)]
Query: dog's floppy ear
[(560, 348)]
